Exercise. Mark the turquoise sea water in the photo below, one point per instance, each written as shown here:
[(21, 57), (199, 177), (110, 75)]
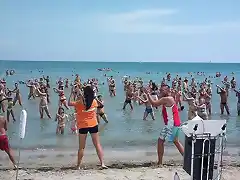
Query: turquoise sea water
[(126, 128)]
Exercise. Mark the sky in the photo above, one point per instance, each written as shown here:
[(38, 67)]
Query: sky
[(120, 30)]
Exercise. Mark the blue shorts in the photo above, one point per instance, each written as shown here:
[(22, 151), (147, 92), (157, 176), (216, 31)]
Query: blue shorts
[(148, 110), (169, 134)]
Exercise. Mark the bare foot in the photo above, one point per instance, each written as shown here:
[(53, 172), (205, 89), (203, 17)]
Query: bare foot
[(15, 167), (103, 167), (159, 165), (78, 167)]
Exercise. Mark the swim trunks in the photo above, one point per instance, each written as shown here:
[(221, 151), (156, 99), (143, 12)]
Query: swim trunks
[(149, 110), (4, 145), (172, 122), (169, 132), (128, 101)]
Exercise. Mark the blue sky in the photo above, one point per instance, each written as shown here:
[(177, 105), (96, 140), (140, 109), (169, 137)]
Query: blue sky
[(120, 30)]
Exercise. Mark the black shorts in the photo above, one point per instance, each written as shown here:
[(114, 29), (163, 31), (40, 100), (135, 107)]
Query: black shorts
[(91, 130), (128, 101)]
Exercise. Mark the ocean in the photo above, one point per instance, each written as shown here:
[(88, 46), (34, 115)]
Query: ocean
[(126, 129)]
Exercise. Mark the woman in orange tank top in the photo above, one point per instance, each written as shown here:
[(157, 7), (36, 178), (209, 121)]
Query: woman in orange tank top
[(86, 117)]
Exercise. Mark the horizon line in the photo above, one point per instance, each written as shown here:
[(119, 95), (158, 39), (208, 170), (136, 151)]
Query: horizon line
[(94, 61)]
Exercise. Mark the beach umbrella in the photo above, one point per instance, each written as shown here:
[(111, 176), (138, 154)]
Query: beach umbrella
[(22, 130)]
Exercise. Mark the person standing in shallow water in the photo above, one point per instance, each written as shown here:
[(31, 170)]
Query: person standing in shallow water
[(223, 99), (238, 102), (100, 110), (171, 120), (4, 144), (148, 105), (86, 116), (129, 97)]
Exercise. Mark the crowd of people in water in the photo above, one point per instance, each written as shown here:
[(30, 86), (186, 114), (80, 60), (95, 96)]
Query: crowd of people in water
[(88, 104)]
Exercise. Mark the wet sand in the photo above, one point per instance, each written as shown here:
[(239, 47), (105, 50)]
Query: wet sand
[(113, 173), (123, 165)]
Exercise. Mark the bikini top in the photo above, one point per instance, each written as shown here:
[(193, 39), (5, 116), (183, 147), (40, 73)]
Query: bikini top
[(61, 94)]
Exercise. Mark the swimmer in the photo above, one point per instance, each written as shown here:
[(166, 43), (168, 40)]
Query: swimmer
[(76, 91), (129, 97), (10, 105), (61, 118), (12, 72), (95, 89), (36, 86), (208, 97), (112, 87), (2, 97), (163, 82), (168, 77), (46, 91), (233, 83), (31, 87), (185, 85), (177, 97), (43, 104), (125, 85), (149, 108), (17, 95), (4, 144), (202, 109), (223, 99), (47, 80), (7, 73), (77, 79), (227, 85), (100, 110), (192, 108), (66, 83), (3, 82), (60, 83), (62, 97), (193, 83), (41, 83), (238, 101)]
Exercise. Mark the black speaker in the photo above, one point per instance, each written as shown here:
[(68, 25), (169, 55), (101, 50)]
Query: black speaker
[(197, 163)]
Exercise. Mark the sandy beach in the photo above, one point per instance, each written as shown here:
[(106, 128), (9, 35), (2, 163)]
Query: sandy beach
[(123, 165), (140, 173)]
